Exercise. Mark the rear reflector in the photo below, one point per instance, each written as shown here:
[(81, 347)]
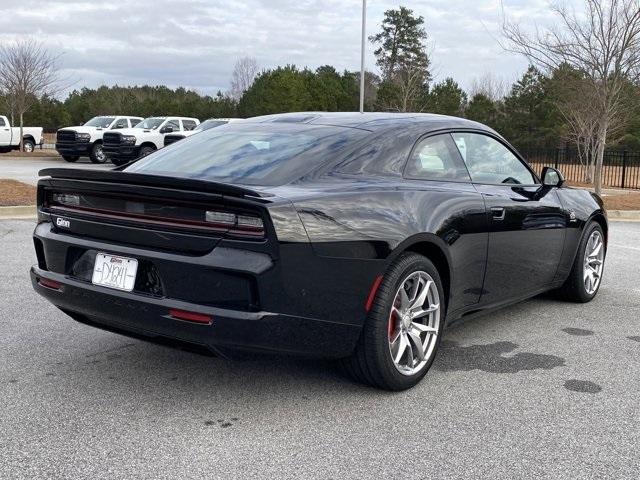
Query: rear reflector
[(372, 293), (191, 316), (52, 284)]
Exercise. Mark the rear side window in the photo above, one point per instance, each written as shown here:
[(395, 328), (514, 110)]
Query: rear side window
[(436, 158), (135, 121), (489, 161), (2, 124), (188, 124)]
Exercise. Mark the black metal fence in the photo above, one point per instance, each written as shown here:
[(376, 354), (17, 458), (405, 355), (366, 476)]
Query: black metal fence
[(620, 168)]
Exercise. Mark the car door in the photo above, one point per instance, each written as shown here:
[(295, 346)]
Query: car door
[(5, 133), (453, 209), (526, 221)]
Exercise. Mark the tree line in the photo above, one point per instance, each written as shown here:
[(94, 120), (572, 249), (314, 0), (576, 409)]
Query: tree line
[(582, 87)]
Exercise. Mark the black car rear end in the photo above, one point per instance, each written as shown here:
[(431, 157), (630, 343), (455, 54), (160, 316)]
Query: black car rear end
[(209, 262)]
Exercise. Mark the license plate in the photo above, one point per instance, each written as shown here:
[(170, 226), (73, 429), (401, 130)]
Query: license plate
[(115, 272)]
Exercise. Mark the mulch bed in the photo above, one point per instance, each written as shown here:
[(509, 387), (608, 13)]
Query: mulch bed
[(14, 193)]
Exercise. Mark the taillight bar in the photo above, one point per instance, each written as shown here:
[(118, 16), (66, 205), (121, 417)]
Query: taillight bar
[(218, 221)]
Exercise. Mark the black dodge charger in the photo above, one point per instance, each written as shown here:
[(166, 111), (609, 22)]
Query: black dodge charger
[(351, 236)]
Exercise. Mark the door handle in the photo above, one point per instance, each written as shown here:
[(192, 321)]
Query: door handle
[(498, 213)]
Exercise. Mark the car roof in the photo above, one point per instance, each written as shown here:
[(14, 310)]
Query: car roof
[(373, 121)]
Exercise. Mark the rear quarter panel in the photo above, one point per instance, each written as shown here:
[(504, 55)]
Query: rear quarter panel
[(356, 231)]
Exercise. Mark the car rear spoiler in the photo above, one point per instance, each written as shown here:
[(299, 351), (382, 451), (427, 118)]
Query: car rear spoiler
[(112, 176)]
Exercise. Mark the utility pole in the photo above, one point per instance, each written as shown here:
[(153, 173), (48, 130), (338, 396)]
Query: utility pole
[(364, 39)]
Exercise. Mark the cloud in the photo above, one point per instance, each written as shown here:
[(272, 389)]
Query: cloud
[(194, 43)]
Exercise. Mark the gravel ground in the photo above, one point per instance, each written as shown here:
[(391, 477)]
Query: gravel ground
[(542, 389)]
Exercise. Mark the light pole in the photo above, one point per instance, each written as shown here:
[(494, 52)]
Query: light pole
[(364, 37)]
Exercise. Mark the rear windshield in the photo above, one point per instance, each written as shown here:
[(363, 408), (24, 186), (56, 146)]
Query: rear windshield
[(251, 154)]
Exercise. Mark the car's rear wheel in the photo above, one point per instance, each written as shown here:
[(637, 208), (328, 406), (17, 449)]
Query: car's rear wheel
[(402, 332), (585, 278), (70, 158), (97, 154)]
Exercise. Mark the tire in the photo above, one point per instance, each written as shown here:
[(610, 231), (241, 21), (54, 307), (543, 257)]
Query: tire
[(28, 146), (70, 158), (97, 155), (576, 287), (146, 150), (371, 362)]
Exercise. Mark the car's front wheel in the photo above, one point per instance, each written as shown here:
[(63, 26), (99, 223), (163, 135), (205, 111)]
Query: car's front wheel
[(402, 332), (585, 278)]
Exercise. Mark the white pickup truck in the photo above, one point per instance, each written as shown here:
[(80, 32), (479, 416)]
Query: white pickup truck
[(146, 137), (206, 125), (86, 140), (10, 136)]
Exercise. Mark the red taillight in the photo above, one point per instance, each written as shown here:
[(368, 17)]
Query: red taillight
[(158, 213), (191, 316), (52, 284), (372, 293)]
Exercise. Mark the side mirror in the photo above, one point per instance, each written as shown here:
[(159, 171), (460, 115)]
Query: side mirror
[(166, 129), (552, 177)]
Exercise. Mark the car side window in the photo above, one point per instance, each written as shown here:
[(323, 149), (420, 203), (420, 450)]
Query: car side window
[(2, 122), (436, 158), (135, 121), (188, 124), (173, 124), (489, 161), (121, 123)]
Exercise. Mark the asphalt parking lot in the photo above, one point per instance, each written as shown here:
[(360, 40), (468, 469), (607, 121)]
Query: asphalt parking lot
[(542, 389), (26, 169)]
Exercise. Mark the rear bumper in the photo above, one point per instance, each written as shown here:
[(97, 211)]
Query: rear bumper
[(73, 148), (149, 318), (275, 325)]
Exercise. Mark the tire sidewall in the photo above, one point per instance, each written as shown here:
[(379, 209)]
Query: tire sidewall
[(32, 146), (380, 317), (144, 151), (94, 157), (579, 264)]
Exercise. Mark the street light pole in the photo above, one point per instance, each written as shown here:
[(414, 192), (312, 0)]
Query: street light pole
[(364, 36)]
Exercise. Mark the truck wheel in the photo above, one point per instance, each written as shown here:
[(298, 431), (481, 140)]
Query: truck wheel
[(144, 151), (97, 154), (70, 158), (28, 146)]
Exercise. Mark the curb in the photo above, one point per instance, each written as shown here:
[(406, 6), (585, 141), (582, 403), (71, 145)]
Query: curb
[(28, 211), (630, 215)]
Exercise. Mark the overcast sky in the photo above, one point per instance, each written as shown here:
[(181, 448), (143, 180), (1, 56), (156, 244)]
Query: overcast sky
[(194, 43)]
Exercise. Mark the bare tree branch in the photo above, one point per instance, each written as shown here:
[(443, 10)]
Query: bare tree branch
[(244, 73), (602, 45), (27, 73)]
